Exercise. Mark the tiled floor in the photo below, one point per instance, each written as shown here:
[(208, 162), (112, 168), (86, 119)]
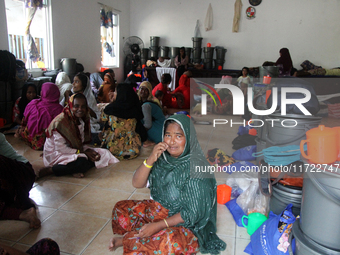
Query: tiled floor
[(77, 212)]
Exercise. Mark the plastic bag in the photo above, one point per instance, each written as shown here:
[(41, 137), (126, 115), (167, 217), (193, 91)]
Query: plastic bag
[(252, 200), (197, 32), (238, 181), (236, 211), (208, 19), (273, 235), (245, 153)]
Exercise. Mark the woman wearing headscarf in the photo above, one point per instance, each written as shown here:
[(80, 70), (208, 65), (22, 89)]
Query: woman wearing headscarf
[(123, 132), (28, 93), (153, 115), (284, 62), (181, 218), (65, 150), (81, 84), (181, 62), (38, 115), (107, 86), (64, 83)]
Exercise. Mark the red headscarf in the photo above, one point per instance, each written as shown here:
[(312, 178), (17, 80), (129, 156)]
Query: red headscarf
[(66, 124)]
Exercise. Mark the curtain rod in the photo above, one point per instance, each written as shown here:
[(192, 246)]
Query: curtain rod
[(112, 8)]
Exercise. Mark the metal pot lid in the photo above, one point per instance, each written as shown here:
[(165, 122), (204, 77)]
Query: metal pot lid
[(255, 2)]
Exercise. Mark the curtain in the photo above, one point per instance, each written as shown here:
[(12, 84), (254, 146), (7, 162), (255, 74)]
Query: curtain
[(106, 29), (31, 48)]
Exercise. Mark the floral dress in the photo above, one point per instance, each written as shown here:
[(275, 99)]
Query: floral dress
[(128, 216), (120, 137), (36, 142)]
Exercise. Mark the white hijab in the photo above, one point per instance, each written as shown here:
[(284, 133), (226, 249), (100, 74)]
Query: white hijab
[(64, 83), (92, 103), (61, 79)]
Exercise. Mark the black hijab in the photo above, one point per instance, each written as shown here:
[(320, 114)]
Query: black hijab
[(23, 100), (127, 104), (285, 60)]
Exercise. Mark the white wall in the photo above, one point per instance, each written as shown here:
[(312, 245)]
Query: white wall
[(308, 28), (76, 31)]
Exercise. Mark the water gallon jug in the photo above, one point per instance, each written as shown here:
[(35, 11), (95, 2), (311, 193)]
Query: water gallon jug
[(322, 145)]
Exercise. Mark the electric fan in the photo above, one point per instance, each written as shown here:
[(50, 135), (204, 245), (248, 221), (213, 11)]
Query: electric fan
[(132, 48)]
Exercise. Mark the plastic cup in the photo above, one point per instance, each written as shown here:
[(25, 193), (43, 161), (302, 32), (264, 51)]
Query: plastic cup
[(267, 79), (255, 220), (223, 193)]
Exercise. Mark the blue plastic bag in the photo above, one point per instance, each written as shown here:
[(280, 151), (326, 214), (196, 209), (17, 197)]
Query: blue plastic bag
[(245, 153), (236, 211), (268, 237)]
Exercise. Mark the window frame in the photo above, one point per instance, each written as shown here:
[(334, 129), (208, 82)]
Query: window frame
[(48, 40), (115, 40)]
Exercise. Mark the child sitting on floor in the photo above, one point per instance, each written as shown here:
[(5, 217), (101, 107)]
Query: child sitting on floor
[(159, 97)]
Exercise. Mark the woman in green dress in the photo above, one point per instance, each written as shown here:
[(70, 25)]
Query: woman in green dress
[(181, 216), (153, 115)]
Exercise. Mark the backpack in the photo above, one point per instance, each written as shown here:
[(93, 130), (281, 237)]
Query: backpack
[(7, 66)]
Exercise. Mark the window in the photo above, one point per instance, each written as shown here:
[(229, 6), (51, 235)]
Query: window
[(109, 32), (17, 19)]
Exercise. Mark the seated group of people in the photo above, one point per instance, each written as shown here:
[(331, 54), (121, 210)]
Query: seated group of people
[(180, 217)]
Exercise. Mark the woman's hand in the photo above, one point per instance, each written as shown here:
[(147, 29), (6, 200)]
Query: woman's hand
[(112, 96), (92, 155), (157, 152), (67, 93), (150, 229)]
